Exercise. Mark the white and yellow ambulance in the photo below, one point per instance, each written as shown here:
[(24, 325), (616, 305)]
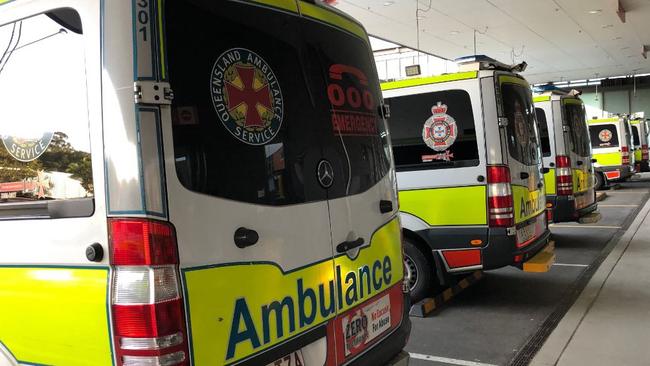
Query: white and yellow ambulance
[(469, 171), (195, 183), (640, 133), (612, 146), (566, 151)]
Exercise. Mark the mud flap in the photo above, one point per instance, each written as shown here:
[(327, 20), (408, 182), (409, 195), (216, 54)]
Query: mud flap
[(542, 261)]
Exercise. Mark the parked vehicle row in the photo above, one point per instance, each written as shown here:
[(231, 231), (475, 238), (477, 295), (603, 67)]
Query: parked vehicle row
[(216, 183)]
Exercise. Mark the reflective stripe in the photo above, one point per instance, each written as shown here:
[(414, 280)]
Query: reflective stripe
[(567, 100), (429, 80), (289, 5), (541, 98), (549, 181), (603, 120), (55, 316), (447, 206)]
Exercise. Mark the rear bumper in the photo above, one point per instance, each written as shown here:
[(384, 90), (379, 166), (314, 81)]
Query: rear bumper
[(564, 208), (498, 249), (624, 172), (503, 249), (389, 351)]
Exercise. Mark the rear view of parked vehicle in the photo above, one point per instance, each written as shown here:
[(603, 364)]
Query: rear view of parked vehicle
[(640, 135), (612, 146), (204, 182), (467, 152), (566, 148)]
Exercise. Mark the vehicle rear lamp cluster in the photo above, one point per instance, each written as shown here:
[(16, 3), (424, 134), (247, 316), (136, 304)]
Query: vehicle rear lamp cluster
[(500, 202), (146, 302), (625, 154), (644, 152), (563, 175)]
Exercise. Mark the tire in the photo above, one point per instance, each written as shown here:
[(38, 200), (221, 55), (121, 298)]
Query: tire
[(419, 271), (600, 181)]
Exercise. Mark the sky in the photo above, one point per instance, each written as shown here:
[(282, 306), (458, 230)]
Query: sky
[(43, 85)]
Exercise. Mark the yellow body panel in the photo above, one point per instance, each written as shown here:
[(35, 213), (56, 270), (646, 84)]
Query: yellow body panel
[(227, 303), (447, 206), (527, 203), (549, 181), (609, 159), (289, 5), (637, 155), (581, 181), (55, 316), (541, 98), (602, 120), (568, 100), (429, 80)]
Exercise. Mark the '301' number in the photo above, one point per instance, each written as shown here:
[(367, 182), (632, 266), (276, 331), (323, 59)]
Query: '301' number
[(143, 19)]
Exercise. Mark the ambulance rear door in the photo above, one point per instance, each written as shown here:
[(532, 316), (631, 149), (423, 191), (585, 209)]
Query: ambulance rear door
[(53, 263), (244, 145), (579, 151), (524, 157), (358, 175)]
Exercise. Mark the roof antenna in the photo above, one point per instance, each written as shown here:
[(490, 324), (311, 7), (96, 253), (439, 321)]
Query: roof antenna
[(478, 31), (417, 24)]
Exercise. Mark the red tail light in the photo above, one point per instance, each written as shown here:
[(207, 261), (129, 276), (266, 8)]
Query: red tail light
[(148, 316), (625, 154), (500, 203), (563, 175), (644, 152)]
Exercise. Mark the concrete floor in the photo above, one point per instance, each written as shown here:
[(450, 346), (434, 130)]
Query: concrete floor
[(505, 318)]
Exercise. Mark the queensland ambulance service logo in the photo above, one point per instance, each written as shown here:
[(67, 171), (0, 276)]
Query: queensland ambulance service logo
[(246, 96), (440, 130), (27, 149), (605, 135)]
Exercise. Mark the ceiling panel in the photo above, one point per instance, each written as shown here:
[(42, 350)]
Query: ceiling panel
[(560, 39)]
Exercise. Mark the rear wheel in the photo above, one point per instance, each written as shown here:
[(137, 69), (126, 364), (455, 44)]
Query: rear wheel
[(418, 271), (600, 181)]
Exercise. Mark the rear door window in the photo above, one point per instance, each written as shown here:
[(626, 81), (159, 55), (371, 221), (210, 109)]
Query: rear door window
[(603, 136), (574, 116), (522, 133), (635, 135), (252, 117), (45, 148), (433, 130), (543, 131)]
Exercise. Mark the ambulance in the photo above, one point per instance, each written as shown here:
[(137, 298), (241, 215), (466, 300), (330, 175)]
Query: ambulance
[(230, 197), (566, 151), (640, 135), (612, 146), (469, 171)]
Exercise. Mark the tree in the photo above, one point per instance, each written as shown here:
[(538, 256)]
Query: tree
[(12, 170)]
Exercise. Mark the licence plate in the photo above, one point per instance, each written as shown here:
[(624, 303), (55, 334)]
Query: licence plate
[(292, 359), (525, 233)]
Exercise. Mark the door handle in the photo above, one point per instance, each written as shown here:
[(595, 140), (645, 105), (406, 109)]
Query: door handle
[(579, 162), (385, 206), (347, 245), (524, 175), (245, 237)]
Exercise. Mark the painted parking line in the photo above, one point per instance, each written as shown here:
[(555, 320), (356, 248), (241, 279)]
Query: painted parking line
[(601, 205), (586, 226), (570, 265), (450, 361)]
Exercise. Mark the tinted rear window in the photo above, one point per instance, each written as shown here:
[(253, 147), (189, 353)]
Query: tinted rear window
[(543, 131), (522, 131), (433, 130), (251, 113), (635, 134), (603, 136), (574, 116)]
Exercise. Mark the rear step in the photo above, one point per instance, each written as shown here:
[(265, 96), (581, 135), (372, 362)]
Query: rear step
[(542, 261), (591, 218)]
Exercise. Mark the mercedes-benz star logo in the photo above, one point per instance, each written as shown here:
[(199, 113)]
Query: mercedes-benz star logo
[(325, 174)]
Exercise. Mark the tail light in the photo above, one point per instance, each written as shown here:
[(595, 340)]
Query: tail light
[(148, 316), (563, 175), (625, 154), (644, 152), (500, 203)]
